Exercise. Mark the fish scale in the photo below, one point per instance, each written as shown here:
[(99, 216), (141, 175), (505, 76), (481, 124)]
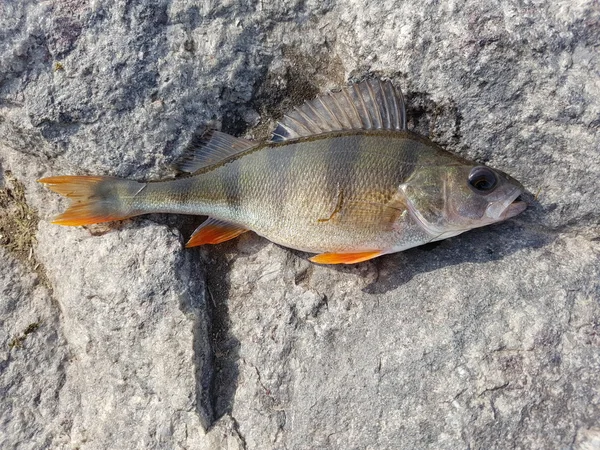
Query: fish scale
[(287, 191)]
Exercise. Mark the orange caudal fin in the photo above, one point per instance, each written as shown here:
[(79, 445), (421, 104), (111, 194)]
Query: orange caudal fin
[(94, 199), (345, 258), (214, 231)]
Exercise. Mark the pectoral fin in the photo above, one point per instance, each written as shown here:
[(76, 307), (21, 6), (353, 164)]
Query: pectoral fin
[(345, 258), (214, 231)]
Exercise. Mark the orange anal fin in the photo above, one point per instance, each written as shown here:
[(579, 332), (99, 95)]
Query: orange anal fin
[(345, 258), (214, 231)]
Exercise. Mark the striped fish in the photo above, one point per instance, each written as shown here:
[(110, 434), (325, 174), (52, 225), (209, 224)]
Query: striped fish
[(341, 177)]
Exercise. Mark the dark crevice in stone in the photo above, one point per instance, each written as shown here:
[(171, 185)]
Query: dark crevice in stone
[(225, 347), (196, 305), (236, 427)]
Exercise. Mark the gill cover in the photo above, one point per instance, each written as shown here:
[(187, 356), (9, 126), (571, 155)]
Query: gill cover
[(450, 199)]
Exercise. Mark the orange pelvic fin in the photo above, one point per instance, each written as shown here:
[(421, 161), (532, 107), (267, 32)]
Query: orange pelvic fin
[(345, 258), (214, 231), (95, 199)]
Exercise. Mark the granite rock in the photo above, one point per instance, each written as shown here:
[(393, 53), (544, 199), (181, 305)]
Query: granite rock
[(115, 336), (33, 353)]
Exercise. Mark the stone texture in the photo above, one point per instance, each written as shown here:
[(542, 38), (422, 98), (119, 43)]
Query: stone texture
[(33, 354), (487, 340), (377, 355), (137, 331)]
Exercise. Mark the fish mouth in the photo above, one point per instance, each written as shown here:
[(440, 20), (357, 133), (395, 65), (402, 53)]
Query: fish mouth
[(510, 207), (517, 206)]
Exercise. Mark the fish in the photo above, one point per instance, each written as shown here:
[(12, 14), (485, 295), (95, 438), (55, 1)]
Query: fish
[(341, 177)]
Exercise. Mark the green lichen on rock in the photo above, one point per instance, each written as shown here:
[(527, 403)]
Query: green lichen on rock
[(17, 341), (18, 221)]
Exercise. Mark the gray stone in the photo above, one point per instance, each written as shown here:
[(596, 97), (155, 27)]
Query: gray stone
[(380, 355), (134, 320), (33, 354), (487, 340)]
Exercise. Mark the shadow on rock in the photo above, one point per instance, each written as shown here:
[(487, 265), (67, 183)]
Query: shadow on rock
[(196, 305), (478, 246), (215, 388), (224, 344)]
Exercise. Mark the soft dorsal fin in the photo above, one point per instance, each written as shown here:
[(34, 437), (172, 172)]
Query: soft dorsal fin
[(212, 147), (369, 105)]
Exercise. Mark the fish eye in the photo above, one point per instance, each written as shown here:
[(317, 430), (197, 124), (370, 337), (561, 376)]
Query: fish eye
[(482, 180)]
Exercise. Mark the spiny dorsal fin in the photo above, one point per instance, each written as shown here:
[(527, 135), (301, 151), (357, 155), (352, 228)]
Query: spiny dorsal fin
[(369, 105), (214, 231), (211, 148)]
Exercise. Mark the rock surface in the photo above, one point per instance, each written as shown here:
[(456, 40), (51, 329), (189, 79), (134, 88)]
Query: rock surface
[(108, 336)]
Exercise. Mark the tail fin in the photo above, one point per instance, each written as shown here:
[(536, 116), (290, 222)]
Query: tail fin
[(95, 199)]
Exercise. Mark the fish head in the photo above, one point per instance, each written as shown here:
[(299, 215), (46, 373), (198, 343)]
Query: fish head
[(450, 199)]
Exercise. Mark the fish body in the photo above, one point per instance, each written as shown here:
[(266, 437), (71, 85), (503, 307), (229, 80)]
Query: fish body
[(342, 177)]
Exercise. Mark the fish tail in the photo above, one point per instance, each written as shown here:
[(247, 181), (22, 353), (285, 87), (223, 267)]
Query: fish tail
[(95, 199)]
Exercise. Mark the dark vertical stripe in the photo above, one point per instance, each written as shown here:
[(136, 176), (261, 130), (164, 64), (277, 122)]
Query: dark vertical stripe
[(408, 157), (279, 160), (233, 184), (342, 162)]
